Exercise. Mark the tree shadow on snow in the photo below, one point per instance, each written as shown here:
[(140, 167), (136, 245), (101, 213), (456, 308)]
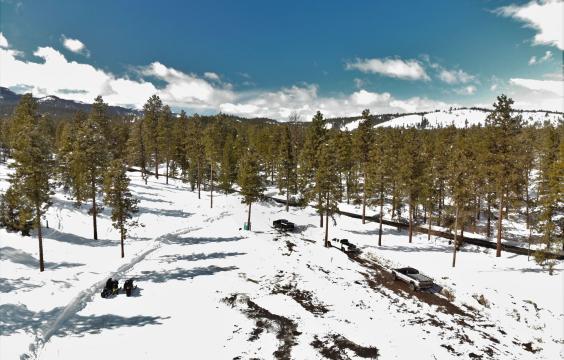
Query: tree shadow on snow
[(9, 285), (180, 273), (53, 234), (164, 212), (23, 258), (201, 256), (15, 318), (178, 240)]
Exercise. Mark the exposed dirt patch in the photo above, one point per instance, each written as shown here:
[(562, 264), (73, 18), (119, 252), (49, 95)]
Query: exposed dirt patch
[(303, 297), (381, 277), (334, 346), (286, 330), (290, 245)]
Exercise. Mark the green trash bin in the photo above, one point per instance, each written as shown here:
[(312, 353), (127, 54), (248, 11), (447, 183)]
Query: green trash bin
[(246, 226)]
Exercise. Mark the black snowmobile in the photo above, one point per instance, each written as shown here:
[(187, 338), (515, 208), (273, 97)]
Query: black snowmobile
[(111, 288), (128, 287)]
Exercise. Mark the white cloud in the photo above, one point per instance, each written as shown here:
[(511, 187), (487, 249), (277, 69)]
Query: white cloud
[(546, 57), (395, 68), (54, 74), (466, 90), (75, 45), (455, 76), (537, 94), (3, 41), (212, 76), (544, 16)]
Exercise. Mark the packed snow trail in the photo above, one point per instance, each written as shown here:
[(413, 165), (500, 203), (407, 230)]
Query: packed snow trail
[(85, 296)]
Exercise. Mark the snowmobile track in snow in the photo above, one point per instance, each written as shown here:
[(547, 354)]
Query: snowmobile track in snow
[(81, 300)]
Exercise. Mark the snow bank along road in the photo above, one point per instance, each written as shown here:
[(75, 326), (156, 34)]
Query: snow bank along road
[(210, 290)]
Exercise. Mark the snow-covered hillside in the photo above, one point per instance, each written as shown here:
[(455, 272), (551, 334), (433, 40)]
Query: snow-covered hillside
[(209, 290), (465, 117)]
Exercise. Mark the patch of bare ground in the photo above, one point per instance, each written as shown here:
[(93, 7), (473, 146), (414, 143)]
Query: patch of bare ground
[(381, 277), (303, 297), (334, 346), (286, 330), (290, 245)]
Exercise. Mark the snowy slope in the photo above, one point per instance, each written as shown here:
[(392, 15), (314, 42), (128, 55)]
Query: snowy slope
[(209, 290), (462, 117)]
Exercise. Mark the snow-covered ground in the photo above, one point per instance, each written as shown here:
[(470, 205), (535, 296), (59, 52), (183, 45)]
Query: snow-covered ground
[(459, 118), (210, 290), (466, 117)]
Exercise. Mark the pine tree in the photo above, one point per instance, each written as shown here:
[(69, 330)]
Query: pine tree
[(377, 173), (504, 130), (120, 199), (195, 151), (327, 184), (92, 149), (308, 162), (361, 141), (164, 137), (151, 114), (212, 134), (250, 180), (32, 164), (551, 197), (228, 165), (287, 170)]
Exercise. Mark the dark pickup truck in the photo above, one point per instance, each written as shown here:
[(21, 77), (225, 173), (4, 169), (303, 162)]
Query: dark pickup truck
[(283, 225), (346, 246)]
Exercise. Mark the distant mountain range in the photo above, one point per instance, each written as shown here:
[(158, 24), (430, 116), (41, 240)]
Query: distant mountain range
[(57, 107), (53, 105)]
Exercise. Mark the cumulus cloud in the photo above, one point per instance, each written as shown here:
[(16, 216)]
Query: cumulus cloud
[(391, 67), (455, 76), (466, 90), (3, 41), (547, 56), (305, 101), (212, 76), (537, 94), (54, 74), (74, 45), (544, 16)]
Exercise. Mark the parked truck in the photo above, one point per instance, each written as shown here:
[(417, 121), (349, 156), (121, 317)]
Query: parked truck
[(413, 278)]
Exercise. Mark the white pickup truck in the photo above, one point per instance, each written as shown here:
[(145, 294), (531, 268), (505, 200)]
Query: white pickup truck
[(413, 278)]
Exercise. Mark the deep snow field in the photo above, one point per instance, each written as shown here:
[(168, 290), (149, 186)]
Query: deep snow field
[(208, 290)]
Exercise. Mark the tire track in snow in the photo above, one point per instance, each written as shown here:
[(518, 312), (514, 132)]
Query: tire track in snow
[(84, 297)]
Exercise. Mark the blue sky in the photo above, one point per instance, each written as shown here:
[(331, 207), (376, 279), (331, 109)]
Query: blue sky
[(266, 58)]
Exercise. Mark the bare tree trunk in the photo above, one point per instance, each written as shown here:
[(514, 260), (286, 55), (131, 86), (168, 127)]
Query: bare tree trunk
[(527, 200), (157, 163), (199, 180), (489, 221), (499, 226), (381, 216), (364, 198), (430, 221), (393, 199), (39, 237), (94, 209), (287, 199), (166, 171), (320, 213), (122, 235), (327, 223), (249, 217), (455, 238), (211, 185), (440, 207), (410, 221)]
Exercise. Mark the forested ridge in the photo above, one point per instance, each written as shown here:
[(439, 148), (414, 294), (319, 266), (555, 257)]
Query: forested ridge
[(449, 177)]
